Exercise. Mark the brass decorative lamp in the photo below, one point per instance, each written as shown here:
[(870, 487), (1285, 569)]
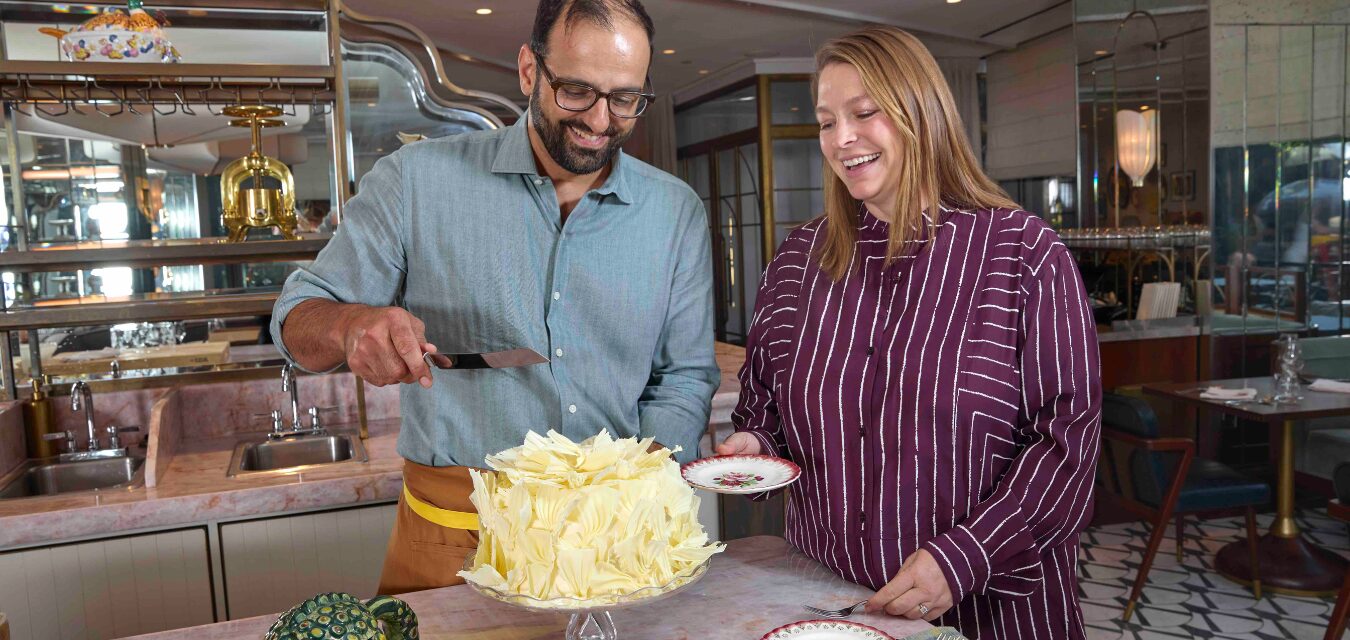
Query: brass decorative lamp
[(249, 203)]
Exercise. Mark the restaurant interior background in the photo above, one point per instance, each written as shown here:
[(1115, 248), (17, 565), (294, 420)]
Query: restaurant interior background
[(1193, 155)]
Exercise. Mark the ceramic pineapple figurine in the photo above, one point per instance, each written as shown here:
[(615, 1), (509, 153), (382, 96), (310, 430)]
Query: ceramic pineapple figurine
[(132, 35), (341, 616)]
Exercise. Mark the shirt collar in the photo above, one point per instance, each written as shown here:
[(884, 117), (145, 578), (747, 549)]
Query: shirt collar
[(514, 155), (872, 227)]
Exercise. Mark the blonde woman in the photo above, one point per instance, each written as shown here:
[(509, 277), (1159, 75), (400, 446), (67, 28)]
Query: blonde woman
[(925, 352)]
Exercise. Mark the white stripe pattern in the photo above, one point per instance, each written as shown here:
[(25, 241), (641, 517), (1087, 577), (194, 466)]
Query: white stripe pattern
[(947, 402)]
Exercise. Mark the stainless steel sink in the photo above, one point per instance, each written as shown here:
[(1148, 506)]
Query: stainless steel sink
[(48, 477), (295, 454)]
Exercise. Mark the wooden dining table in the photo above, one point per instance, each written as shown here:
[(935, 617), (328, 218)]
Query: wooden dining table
[(1289, 562)]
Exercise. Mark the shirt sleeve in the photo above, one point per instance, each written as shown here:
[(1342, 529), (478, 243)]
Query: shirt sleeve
[(675, 405), (1045, 496), (365, 262)]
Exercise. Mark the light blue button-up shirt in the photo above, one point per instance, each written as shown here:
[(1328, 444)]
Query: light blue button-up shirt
[(464, 233)]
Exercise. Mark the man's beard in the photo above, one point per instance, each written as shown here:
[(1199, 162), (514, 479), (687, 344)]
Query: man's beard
[(569, 155)]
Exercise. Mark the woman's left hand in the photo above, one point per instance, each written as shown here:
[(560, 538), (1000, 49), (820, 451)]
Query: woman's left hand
[(918, 583)]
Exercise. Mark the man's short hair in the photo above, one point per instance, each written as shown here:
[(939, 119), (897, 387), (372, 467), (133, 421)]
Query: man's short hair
[(598, 12)]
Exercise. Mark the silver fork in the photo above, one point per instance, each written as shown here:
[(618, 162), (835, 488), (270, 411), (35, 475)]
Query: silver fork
[(834, 613)]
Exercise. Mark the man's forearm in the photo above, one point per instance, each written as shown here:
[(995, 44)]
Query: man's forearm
[(313, 333)]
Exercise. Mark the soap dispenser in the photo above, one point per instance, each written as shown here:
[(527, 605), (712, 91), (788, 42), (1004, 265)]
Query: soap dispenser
[(38, 420)]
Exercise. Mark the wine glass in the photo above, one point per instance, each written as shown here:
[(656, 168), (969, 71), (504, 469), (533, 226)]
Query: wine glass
[(1287, 368)]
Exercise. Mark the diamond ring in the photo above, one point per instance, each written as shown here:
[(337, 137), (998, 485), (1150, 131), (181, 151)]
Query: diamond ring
[(923, 609)]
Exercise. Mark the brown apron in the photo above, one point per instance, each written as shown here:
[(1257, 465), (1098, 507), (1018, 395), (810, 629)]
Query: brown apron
[(435, 530)]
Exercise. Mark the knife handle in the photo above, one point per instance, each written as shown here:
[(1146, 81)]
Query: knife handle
[(439, 360)]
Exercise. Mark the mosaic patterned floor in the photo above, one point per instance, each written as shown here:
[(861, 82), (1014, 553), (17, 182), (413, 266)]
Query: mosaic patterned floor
[(1190, 600)]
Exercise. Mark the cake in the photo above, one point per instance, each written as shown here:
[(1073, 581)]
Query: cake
[(589, 521)]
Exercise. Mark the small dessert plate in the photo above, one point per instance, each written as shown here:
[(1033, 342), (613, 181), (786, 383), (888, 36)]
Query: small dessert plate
[(740, 474), (826, 630)]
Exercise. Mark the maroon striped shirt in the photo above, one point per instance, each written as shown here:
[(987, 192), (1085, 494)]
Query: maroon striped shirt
[(950, 402)]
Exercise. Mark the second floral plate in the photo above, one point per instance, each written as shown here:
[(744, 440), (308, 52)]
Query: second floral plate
[(740, 473), (826, 630)]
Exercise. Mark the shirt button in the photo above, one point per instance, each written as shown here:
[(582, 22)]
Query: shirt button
[(557, 352), (539, 181), (571, 408), (556, 295)]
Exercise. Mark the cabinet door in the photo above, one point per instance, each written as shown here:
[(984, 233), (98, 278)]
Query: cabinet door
[(273, 564), (109, 588)]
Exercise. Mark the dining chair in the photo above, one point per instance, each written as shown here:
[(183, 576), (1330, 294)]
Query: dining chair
[(1167, 481), (1340, 508)]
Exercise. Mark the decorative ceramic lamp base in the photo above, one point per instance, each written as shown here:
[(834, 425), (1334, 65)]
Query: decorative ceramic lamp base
[(598, 625)]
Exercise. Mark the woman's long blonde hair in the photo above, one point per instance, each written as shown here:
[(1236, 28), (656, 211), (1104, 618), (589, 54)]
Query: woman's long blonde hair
[(936, 165)]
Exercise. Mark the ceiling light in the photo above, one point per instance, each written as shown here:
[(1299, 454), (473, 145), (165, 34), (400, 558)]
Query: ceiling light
[(370, 104), (668, 52), (1100, 52), (796, 109), (1144, 108), (484, 12), (703, 72), (1136, 143), (953, 1)]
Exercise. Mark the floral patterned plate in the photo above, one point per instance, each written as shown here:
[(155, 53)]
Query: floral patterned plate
[(826, 630), (740, 473)]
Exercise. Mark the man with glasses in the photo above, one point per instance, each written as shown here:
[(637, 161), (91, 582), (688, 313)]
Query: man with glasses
[(541, 235)]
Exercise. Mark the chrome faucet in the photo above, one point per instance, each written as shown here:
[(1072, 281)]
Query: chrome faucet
[(288, 384), (298, 427), (82, 398), (80, 394)]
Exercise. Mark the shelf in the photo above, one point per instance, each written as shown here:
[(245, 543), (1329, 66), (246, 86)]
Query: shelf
[(165, 70), (157, 253), (225, 5), (97, 310), (61, 84)]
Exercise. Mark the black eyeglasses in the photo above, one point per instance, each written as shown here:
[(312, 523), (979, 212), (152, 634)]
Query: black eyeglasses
[(574, 96)]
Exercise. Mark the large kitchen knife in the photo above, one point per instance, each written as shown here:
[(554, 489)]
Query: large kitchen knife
[(490, 360)]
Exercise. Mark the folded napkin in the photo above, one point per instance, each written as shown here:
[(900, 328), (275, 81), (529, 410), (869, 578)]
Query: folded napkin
[(1220, 393), (1327, 384)]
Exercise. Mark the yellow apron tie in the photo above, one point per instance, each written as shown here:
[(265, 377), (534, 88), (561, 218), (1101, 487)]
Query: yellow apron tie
[(443, 517)]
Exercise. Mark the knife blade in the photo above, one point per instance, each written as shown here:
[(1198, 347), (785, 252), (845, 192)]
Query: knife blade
[(488, 360)]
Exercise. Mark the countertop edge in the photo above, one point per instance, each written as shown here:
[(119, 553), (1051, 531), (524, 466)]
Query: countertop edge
[(103, 520)]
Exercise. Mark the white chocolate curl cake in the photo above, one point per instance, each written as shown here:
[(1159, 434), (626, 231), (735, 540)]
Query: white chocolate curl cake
[(586, 521)]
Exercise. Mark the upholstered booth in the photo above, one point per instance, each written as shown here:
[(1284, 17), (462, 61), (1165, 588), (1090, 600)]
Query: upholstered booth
[(1319, 445)]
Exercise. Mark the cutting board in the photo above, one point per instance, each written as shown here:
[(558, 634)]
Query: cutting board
[(192, 354), (235, 335)]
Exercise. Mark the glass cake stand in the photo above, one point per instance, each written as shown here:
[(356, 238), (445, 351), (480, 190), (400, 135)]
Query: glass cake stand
[(590, 618)]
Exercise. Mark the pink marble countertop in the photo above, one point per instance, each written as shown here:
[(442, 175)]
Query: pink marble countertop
[(757, 585), (195, 489)]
